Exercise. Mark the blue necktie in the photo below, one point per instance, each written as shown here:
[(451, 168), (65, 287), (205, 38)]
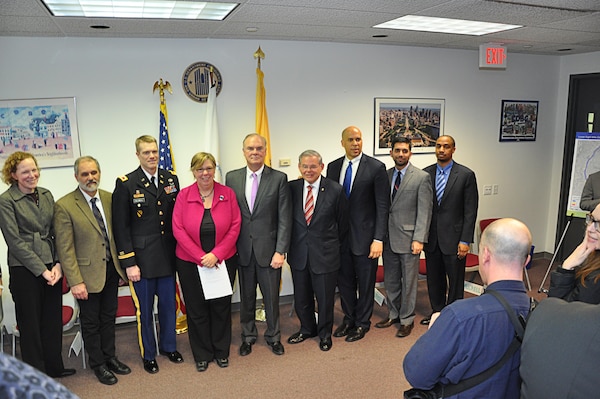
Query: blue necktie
[(348, 179), (440, 185)]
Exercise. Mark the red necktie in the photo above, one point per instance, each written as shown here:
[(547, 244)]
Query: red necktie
[(309, 207)]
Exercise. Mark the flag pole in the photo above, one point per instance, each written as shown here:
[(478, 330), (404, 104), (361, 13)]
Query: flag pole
[(180, 312), (259, 55), (262, 120)]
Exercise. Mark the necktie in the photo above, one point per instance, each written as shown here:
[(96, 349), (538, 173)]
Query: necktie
[(440, 185), (254, 191), (397, 182), (309, 207), (100, 221), (153, 182), (348, 179)]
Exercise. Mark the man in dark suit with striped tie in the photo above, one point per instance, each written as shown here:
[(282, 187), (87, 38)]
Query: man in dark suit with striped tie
[(319, 226), (367, 187), (455, 202)]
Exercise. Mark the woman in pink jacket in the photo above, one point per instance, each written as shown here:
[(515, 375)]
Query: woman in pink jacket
[(206, 225)]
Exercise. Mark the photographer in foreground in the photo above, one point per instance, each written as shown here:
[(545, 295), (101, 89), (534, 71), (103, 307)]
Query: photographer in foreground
[(472, 335)]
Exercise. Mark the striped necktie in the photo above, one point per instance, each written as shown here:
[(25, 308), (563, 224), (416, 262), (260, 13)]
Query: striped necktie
[(440, 185), (397, 182), (309, 207)]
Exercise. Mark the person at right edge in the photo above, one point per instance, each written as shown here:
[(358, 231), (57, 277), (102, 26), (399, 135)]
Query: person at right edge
[(472, 335), (366, 185), (577, 278), (455, 201)]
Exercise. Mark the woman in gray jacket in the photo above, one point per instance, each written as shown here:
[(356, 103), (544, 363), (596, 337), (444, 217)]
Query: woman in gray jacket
[(26, 212)]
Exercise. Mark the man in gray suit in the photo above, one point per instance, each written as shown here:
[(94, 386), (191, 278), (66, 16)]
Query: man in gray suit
[(408, 227), (455, 202), (590, 196), (264, 199)]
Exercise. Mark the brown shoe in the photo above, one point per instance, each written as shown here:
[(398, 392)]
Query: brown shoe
[(387, 323), (404, 330)]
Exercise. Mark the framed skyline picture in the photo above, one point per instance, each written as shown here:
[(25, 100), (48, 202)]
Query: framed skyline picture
[(419, 119), (518, 120), (46, 128)]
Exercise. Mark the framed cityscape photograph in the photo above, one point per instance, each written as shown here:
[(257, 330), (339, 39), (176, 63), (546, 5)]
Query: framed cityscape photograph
[(421, 120), (518, 120), (46, 128)]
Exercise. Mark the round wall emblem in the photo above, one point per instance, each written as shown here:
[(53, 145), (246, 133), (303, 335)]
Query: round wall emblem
[(196, 80)]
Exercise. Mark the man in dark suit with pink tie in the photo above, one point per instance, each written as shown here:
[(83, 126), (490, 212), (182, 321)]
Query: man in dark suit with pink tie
[(319, 226), (367, 187)]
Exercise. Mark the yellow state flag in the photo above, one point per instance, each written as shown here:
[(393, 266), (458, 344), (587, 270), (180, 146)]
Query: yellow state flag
[(262, 120)]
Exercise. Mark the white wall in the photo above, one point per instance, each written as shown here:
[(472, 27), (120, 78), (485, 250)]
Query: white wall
[(314, 90)]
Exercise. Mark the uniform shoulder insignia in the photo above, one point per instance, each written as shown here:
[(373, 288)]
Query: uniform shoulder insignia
[(123, 178), (173, 172)]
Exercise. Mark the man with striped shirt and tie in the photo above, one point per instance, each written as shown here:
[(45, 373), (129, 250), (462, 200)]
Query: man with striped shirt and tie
[(408, 228), (319, 226), (455, 202)]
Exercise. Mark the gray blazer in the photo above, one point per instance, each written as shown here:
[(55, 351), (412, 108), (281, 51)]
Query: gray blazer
[(590, 196), (27, 229), (268, 228), (410, 211)]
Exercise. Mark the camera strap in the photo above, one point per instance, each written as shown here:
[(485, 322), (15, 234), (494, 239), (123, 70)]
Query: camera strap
[(444, 391)]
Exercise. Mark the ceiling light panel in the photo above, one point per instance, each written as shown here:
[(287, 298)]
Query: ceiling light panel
[(151, 9), (445, 25)]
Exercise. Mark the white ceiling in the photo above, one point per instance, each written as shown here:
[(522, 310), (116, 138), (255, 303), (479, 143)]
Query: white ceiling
[(550, 26)]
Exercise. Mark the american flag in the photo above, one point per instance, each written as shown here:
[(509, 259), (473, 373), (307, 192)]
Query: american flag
[(164, 144)]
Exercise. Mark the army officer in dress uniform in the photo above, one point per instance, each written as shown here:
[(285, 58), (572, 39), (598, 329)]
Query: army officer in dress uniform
[(142, 210)]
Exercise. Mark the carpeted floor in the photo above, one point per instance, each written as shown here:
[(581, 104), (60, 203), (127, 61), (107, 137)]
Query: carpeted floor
[(371, 367)]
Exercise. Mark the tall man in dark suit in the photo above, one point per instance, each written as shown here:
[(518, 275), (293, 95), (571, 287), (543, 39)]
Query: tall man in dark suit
[(319, 226), (86, 248), (264, 199), (143, 204), (455, 202), (366, 185), (408, 228)]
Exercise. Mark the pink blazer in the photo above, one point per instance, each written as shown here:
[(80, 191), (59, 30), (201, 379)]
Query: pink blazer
[(187, 218)]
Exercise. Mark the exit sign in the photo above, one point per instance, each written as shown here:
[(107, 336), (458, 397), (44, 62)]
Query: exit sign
[(492, 56)]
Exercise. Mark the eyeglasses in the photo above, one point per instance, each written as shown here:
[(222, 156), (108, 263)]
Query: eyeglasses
[(589, 219), (202, 170)]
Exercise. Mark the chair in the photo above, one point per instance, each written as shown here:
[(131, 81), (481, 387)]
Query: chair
[(472, 261)]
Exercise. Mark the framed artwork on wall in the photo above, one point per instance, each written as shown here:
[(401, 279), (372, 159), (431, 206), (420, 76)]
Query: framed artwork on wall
[(518, 120), (419, 119), (46, 128)]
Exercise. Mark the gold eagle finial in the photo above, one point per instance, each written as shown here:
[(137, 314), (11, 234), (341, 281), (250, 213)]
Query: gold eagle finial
[(161, 87)]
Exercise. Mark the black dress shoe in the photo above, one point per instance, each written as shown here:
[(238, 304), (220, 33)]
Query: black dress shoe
[(356, 334), (299, 337), (175, 357), (105, 376), (425, 321), (387, 323), (276, 347), (245, 349), (151, 366), (202, 366), (342, 330), (117, 367), (325, 344), (222, 362), (62, 373), (404, 330)]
